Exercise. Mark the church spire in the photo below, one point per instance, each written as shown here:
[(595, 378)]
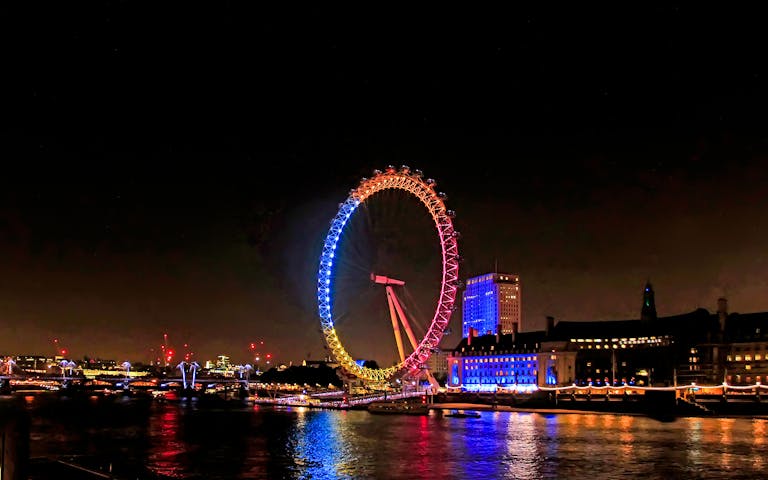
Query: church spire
[(648, 312)]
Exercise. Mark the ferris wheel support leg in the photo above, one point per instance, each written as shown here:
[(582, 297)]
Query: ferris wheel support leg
[(435, 385), (395, 326), (393, 298)]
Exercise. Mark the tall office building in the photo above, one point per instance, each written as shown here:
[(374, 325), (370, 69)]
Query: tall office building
[(492, 304)]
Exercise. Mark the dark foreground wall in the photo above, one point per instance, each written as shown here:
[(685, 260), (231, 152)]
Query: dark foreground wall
[(14, 440)]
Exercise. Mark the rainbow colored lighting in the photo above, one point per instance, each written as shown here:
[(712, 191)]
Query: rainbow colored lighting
[(410, 181)]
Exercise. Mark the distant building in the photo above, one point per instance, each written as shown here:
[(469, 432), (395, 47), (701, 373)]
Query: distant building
[(35, 363), (100, 364), (744, 348), (492, 304), (326, 362), (222, 362), (438, 362), (697, 347)]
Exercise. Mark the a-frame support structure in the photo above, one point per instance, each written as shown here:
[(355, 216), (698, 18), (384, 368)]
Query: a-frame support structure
[(397, 314)]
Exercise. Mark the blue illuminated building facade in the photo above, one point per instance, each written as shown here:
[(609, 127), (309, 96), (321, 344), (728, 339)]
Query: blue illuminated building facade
[(491, 305), (514, 362)]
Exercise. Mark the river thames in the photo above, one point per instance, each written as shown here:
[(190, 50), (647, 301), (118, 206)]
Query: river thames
[(155, 440)]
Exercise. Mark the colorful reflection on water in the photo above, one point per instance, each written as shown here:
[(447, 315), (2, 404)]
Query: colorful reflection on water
[(165, 455), (176, 441)]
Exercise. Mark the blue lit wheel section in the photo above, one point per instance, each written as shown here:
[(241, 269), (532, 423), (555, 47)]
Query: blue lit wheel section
[(413, 183)]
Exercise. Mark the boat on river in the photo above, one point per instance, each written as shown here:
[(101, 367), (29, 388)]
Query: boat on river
[(463, 414), (394, 407)]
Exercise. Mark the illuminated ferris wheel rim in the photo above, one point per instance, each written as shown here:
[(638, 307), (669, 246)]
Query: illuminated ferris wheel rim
[(424, 190)]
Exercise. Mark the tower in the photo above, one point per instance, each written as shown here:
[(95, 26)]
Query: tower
[(648, 312), (492, 304)]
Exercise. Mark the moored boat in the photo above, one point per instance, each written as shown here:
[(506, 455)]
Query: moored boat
[(463, 414), (407, 408)]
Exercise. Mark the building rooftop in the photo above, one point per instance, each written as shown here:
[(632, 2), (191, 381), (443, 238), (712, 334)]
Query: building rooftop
[(521, 342)]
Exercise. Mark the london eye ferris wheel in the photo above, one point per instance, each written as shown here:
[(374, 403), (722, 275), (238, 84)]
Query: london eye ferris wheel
[(414, 186)]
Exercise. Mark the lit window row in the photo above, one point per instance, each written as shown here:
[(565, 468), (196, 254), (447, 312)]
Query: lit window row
[(620, 340), (746, 358)]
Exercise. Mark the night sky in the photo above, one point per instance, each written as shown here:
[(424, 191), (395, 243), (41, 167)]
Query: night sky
[(174, 168)]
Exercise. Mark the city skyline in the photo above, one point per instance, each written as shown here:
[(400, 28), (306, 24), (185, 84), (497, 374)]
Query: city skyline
[(182, 182)]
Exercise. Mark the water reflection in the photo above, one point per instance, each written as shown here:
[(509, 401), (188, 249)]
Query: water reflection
[(726, 426), (166, 447), (320, 448), (693, 439), (758, 443), (522, 459), (300, 443), (627, 438)]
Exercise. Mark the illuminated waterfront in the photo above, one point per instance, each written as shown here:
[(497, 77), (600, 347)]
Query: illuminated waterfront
[(170, 440)]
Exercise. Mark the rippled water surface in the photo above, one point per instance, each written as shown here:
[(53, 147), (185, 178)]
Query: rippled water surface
[(178, 441)]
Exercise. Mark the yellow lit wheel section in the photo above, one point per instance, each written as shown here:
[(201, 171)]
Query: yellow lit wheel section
[(410, 181)]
